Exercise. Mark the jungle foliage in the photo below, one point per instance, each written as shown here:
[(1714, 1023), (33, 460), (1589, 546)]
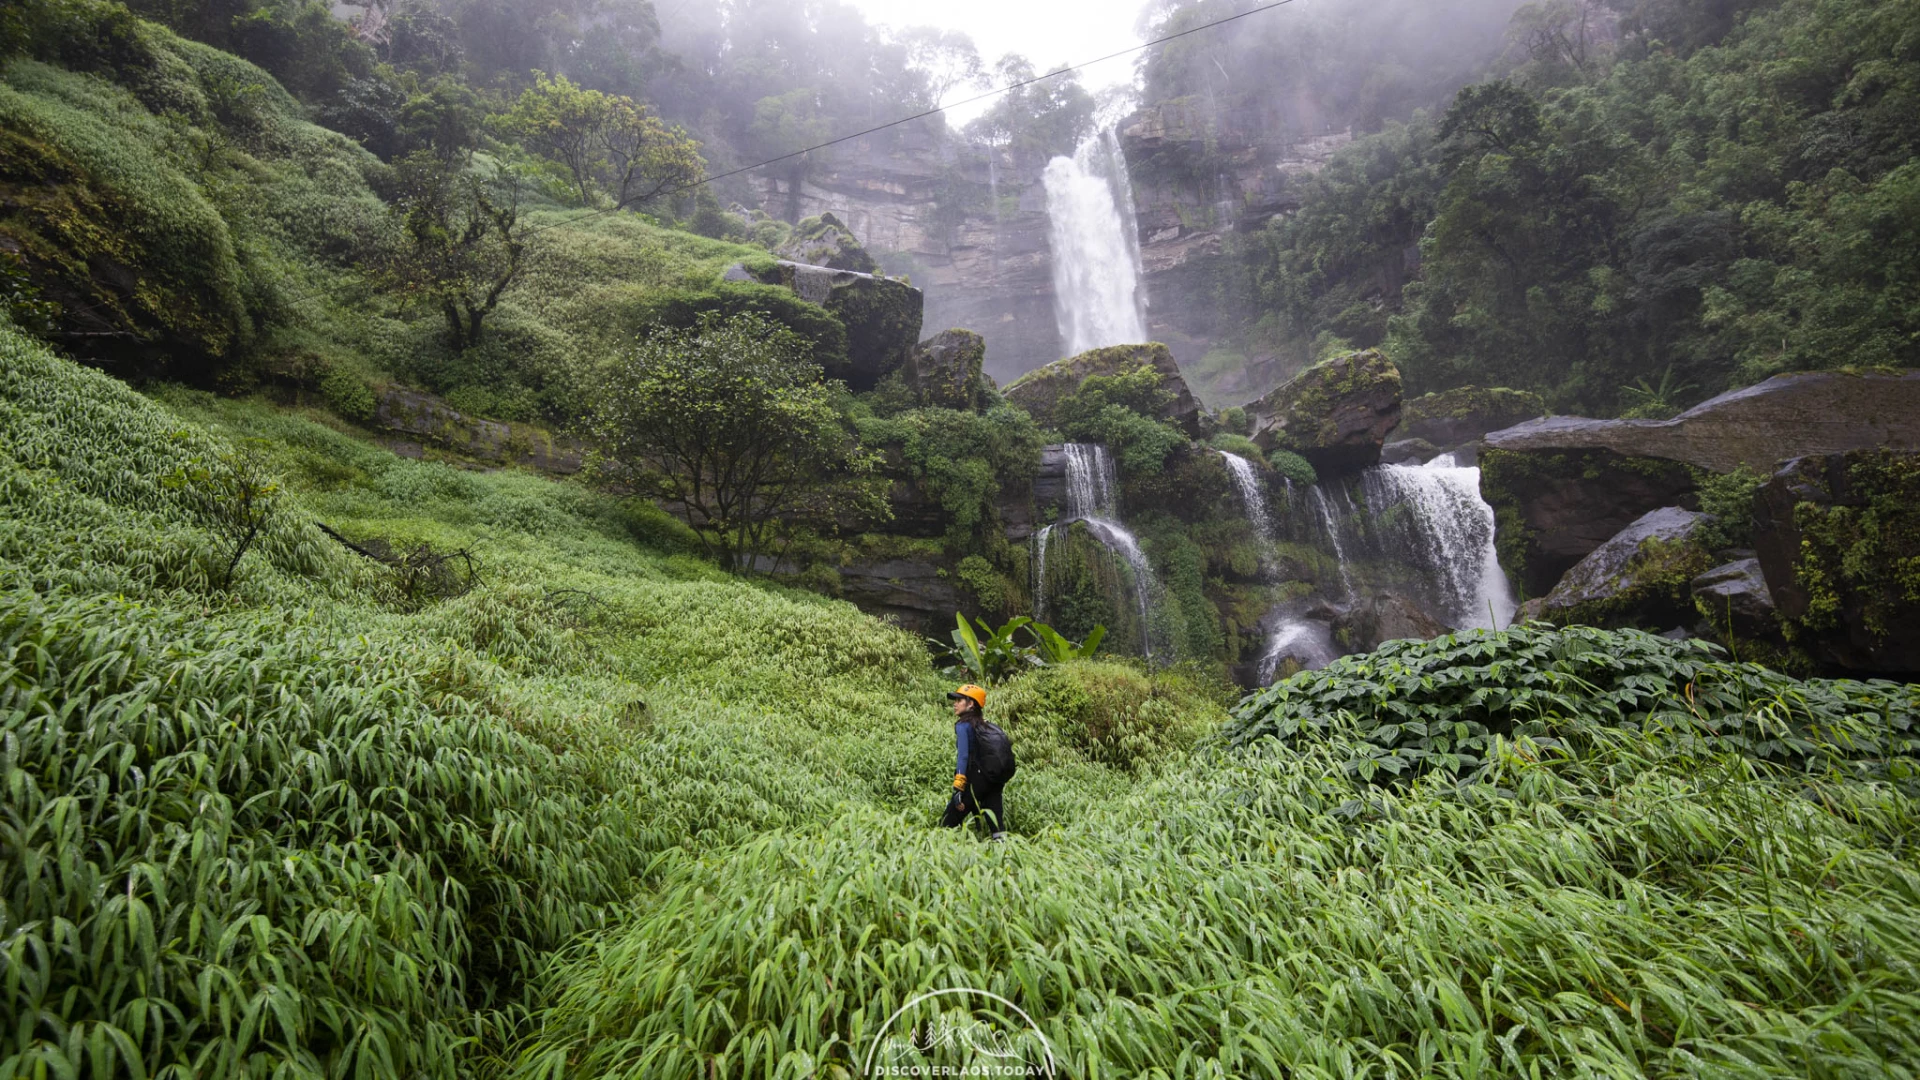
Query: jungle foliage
[(1676, 203)]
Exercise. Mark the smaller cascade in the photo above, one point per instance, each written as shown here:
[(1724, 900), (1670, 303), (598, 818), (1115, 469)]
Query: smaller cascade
[(1325, 506), (1092, 500), (1247, 480), (1450, 533), (1305, 640)]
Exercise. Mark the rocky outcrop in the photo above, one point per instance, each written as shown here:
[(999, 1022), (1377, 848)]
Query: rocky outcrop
[(1554, 509), (1838, 538), (435, 426), (1382, 618), (1408, 452), (1786, 417), (967, 223), (1736, 603), (1641, 577), (916, 593), (1040, 391), (882, 315), (826, 241), (947, 371), (1456, 417), (1336, 414)]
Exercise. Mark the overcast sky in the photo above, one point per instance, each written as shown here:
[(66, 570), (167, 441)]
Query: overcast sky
[(1048, 32)]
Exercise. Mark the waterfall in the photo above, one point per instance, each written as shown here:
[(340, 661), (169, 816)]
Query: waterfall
[(1325, 507), (1304, 639), (1452, 529), (1093, 500), (1251, 494), (1096, 247)]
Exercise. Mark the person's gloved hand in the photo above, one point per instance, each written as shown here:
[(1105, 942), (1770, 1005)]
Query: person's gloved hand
[(959, 781)]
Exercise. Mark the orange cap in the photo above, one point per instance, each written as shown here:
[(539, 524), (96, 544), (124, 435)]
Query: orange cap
[(978, 695)]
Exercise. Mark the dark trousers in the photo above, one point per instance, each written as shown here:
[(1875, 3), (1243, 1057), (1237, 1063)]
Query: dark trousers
[(985, 799)]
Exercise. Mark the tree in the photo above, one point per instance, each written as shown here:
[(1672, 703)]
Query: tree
[(1046, 117), (946, 60), (608, 144), (461, 241), (733, 423)]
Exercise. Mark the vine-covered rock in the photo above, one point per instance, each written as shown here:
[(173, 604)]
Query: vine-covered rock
[(1040, 391), (826, 241), (1839, 540), (1336, 414), (1642, 577)]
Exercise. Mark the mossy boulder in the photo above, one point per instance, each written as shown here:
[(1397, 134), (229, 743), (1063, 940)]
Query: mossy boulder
[(1336, 414), (1454, 417), (1552, 510), (1642, 577), (1041, 390), (881, 315), (1838, 538), (826, 241), (947, 371)]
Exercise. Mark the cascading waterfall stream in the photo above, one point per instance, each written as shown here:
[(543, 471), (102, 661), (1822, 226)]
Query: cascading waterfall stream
[(1247, 480), (1092, 487), (1455, 526), (1096, 247)]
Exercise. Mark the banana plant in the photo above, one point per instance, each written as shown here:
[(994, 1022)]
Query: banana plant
[(991, 655)]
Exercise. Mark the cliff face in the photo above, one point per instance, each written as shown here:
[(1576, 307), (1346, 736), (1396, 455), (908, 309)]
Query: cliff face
[(969, 228), (1194, 184)]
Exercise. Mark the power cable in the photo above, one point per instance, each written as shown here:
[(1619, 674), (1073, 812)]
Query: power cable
[(703, 181)]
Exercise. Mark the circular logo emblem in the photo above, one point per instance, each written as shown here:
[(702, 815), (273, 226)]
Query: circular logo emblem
[(959, 1032)]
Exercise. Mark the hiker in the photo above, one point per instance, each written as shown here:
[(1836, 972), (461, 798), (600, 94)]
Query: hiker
[(985, 763)]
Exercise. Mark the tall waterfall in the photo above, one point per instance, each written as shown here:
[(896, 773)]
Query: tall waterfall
[(1096, 247), (1093, 500)]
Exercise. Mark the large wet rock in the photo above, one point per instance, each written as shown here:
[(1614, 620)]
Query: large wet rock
[(1783, 418), (916, 593), (1735, 602), (948, 371), (1838, 538), (1554, 509), (1040, 391), (1641, 577), (826, 241), (1456, 417), (882, 315), (1336, 414), (1385, 617)]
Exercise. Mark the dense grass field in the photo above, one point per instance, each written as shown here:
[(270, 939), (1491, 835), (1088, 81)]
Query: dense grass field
[(613, 813)]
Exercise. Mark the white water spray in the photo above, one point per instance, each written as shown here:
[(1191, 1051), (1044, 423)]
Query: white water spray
[(1455, 526), (1096, 247)]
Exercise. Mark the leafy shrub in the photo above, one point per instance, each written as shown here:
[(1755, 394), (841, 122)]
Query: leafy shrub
[(1442, 706), (1728, 499), (1293, 467), (1234, 420), (1107, 713), (347, 394), (1237, 444)]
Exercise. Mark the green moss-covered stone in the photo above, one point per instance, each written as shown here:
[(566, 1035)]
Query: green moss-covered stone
[(1461, 415), (1839, 542), (1642, 577), (1336, 414), (1040, 391)]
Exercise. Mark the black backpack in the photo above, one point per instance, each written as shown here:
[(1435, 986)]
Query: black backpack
[(990, 759)]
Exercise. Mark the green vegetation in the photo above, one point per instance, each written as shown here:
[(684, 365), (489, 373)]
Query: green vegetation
[(1634, 219), (992, 655), (730, 423), (1123, 411), (585, 818), (1861, 552)]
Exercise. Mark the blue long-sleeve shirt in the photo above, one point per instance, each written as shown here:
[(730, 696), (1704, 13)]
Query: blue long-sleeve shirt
[(962, 734)]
